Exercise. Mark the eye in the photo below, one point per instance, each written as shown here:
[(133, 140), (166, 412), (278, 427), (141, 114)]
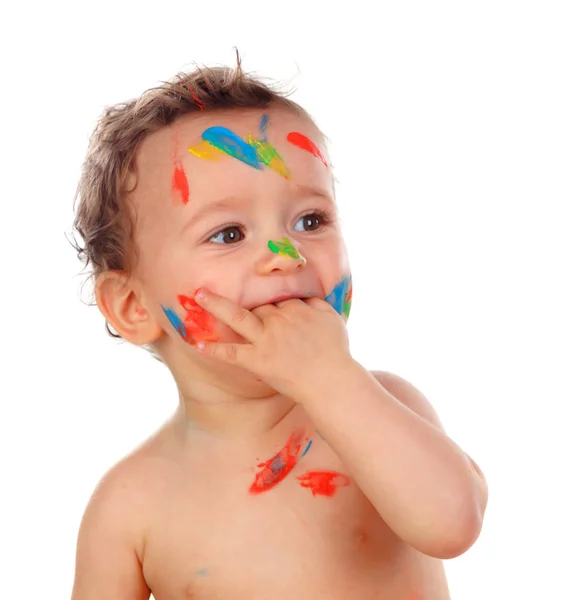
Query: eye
[(228, 235), (314, 220)]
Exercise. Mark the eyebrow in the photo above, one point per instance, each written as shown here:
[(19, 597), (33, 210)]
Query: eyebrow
[(228, 203)]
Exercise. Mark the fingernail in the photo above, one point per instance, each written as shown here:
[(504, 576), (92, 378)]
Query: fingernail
[(200, 346), (200, 294)]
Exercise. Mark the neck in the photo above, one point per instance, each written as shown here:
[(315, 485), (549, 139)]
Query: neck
[(225, 401)]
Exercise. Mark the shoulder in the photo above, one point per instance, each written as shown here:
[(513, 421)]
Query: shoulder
[(406, 393)]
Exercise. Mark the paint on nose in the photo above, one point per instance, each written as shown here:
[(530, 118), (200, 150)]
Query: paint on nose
[(285, 248)]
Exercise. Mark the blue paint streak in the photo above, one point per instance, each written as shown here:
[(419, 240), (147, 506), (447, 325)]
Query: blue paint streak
[(317, 431), (230, 143), (175, 320), (263, 124), (307, 448), (337, 297)]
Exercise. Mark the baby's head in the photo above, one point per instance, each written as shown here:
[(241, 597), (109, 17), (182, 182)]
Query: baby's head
[(211, 180)]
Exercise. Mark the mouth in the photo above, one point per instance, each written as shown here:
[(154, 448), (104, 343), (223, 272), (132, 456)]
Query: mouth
[(283, 297)]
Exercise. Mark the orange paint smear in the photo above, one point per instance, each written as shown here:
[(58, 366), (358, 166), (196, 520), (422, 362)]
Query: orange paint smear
[(180, 182), (303, 142), (199, 324), (279, 466), (196, 99), (323, 483)]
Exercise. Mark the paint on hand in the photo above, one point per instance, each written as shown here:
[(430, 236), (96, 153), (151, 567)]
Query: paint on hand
[(340, 297), (285, 248), (323, 483), (199, 323), (202, 572), (303, 142), (277, 468)]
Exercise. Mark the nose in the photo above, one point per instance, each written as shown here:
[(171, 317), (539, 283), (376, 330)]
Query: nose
[(280, 256)]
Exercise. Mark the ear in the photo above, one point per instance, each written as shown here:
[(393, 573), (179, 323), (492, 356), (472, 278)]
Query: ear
[(123, 308)]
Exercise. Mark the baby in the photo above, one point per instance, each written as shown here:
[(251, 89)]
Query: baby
[(207, 213)]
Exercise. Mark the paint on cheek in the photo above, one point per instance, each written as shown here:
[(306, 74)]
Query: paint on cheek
[(278, 467), (180, 182), (176, 322), (323, 483), (303, 142), (199, 324), (285, 248), (340, 297)]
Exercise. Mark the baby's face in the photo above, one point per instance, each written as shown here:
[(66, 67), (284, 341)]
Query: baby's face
[(251, 218)]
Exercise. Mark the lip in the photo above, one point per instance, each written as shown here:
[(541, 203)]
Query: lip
[(283, 297)]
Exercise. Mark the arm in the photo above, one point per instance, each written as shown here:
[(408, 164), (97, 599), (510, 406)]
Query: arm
[(428, 491), (107, 563)]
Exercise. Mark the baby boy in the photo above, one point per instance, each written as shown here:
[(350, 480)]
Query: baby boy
[(288, 471)]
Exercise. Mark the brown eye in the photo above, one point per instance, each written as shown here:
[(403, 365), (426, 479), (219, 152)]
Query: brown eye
[(229, 235), (311, 222)]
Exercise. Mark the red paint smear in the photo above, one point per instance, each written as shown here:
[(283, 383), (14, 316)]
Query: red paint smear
[(278, 467), (199, 323), (323, 483), (180, 182), (349, 295), (196, 99), (303, 142)]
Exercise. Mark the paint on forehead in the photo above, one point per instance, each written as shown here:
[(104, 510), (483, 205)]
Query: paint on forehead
[(230, 143), (285, 248), (255, 152), (180, 188), (303, 142), (340, 297)]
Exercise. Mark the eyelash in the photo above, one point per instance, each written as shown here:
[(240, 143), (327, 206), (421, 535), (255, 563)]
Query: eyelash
[(324, 217)]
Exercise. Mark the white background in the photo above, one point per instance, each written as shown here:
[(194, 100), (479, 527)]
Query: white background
[(447, 131)]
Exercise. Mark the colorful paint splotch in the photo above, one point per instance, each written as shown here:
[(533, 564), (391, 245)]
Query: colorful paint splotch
[(303, 142), (230, 143), (274, 470), (323, 483), (285, 248), (176, 322), (255, 152), (340, 297), (198, 325)]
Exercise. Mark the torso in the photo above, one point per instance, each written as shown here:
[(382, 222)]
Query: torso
[(207, 537)]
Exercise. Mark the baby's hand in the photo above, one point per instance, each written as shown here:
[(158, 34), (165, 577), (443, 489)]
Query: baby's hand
[(293, 344)]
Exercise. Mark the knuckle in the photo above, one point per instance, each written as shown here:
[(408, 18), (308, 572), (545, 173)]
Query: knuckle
[(239, 315), (231, 353)]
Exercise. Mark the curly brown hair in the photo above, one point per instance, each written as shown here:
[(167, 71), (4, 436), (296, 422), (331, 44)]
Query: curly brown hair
[(103, 219)]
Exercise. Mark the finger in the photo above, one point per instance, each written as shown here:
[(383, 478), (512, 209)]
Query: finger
[(236, 354), (238, 318), (318, 303)]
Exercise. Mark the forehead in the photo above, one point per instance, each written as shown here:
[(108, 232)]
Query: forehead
[(207, 179)]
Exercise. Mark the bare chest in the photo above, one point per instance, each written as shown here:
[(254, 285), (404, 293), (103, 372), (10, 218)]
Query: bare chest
[(210, 537)]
